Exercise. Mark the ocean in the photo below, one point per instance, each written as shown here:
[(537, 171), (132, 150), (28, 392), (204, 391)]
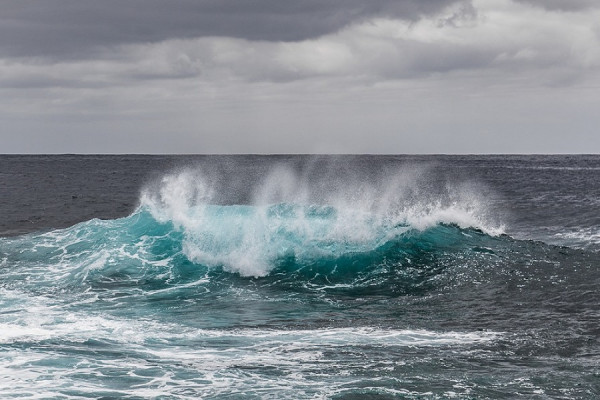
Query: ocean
[(299, 277)]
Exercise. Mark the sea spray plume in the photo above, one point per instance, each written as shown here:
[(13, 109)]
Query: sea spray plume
[(306, 214), (412, 195), (172, 199)]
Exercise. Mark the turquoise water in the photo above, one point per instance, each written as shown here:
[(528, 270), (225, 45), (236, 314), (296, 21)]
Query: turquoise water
[(298, 293)]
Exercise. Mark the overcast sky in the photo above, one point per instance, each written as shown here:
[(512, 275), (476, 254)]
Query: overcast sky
[(299, 76)]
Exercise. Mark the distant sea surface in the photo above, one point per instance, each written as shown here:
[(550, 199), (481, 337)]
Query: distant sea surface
[(299, 277)]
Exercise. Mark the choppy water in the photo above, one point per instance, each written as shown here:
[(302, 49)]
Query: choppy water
[(300, 277)]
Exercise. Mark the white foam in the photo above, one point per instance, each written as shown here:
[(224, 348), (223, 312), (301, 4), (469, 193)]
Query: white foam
[(362, 216), (163, 356), (583, 237), (42, 323), (32, 318)]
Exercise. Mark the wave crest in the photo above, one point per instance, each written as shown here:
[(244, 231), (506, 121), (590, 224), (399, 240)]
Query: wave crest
[(290, 218)]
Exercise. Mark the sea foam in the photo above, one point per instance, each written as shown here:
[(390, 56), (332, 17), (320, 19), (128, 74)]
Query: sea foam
[(291, 215)]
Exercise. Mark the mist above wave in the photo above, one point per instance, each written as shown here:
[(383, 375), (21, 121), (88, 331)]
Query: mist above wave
[(313, 213)]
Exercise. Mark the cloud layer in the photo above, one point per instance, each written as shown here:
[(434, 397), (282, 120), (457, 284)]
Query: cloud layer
[(494, 36), (221, 70), (74, 28)]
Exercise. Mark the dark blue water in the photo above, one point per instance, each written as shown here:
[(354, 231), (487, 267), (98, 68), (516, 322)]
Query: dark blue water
[(277, 277)]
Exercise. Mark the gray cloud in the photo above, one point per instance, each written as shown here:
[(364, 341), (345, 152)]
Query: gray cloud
[(516, 41), (76, 28), (562, 5), (299, 76)]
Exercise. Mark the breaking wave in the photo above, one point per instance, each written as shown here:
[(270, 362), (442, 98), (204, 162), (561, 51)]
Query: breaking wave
[(386, 238)]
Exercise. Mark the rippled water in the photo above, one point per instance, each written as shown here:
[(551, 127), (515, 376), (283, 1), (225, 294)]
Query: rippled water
[(300, 277)]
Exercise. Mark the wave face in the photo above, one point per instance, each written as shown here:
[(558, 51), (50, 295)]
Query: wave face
[(301, 243), (377, 239), (386, 238), (302, 285), (287, 224)]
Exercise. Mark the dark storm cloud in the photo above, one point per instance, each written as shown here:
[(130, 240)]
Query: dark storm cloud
[(75, 28)]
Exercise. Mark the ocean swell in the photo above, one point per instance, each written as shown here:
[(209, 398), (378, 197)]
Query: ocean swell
[(382, 237), (293, 222)]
